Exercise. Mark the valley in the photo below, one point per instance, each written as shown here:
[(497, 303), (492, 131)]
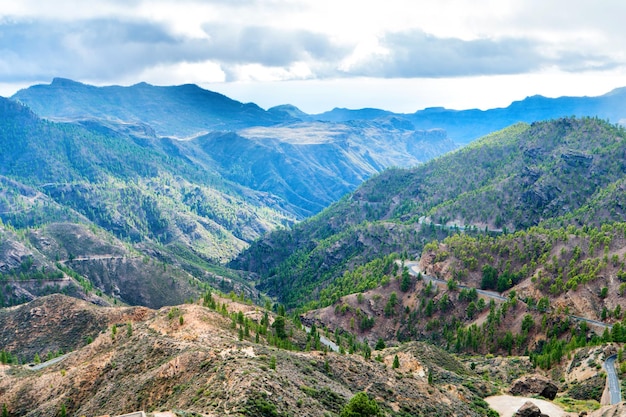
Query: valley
[(174, 250)]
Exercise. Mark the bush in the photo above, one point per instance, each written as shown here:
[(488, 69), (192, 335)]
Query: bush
[(361, 406), (257, 405)]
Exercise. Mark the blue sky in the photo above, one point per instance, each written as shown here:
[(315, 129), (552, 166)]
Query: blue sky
[(401, 55)]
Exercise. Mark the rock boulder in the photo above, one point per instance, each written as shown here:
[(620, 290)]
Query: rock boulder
[(529, 409), (534, 385)]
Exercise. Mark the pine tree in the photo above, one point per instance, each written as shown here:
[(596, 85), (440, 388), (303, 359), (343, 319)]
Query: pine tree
[(405, 284), (396, 362), (380, 344), (279, 326)]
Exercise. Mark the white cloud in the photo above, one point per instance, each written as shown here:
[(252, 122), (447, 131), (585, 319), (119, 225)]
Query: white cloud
[(182, 72), (415, 42)]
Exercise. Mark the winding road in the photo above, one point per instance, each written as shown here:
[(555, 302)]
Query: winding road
[(45, 364), (609, 364), (95, 258), (413, 268), (324, 340), (613, 382)]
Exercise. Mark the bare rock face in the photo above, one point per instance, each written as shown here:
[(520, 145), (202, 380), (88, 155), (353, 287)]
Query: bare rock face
[(534, 384), (617, 410), (529, 409), (576, 159)]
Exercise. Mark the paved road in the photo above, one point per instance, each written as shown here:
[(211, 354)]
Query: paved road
[(95, 258), (324, 340), (613, 382), (414, 269), (422, 220), (593, 322), (46, 364)]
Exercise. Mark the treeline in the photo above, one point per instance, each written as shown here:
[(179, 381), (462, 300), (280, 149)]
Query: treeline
[(280, 329), (557, 260), (315, 275)]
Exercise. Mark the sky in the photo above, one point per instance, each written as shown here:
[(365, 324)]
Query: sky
[(399, 55)]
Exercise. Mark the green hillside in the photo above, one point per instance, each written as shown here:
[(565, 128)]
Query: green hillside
[(158, 203), (554, 172)]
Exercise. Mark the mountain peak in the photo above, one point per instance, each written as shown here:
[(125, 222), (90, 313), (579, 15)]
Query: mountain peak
[(180, 111), (290, 110), (64, 82), (616, 92)]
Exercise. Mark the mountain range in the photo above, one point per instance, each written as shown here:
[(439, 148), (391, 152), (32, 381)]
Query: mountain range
[(232, 226), (563, 172), (192, 204), (464, 126), (188, 110)]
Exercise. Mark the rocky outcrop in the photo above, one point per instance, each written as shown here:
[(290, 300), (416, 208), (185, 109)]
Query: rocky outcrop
[(534, 385), (540, 195), (617, 410), (533, 153), (529, 409), (576, 159), (530, 175)]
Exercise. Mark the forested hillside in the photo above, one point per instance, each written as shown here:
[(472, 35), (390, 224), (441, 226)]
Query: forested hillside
[(127, 185), (158, 206), (554, 171)]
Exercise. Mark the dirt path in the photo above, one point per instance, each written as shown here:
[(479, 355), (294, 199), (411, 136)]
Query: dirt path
[(507, 405)]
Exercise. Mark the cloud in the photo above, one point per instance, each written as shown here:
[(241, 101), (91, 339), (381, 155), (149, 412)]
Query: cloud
[(414, 53), (288, 40), (108, 48), (268, 46), (88, 49)]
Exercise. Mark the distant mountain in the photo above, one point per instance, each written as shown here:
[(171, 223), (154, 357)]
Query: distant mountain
[(188, 110), (464, 126), (311, 164), (179, 111), (282, 151), (565, 171)]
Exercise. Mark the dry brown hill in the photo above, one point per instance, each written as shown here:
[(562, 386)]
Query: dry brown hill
[(190, 358)]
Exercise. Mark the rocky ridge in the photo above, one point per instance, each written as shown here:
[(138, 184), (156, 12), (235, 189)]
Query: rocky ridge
[(190, 358)]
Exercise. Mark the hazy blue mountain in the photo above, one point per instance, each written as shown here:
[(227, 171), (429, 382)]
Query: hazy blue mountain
[(308, 164), (312, 164), (464, 126), (188, 110), (289, 110), (180, 111)]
